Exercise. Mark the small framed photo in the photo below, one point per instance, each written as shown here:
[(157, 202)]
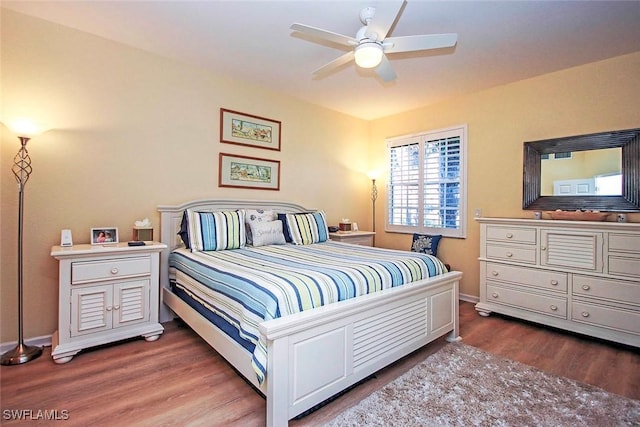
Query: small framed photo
[(104, 235)]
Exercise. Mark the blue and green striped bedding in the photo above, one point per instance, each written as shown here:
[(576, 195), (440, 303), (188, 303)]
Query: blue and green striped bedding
[(244, 287)]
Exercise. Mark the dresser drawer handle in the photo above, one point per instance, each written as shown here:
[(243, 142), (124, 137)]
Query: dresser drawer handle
[(495, 295), (114, 270), (509, 254), (509, 236), (553, 307), (494, 273), (585, 314), (586, 287), (554, 282)]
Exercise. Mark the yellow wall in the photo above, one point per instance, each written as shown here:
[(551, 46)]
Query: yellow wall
[(592, 98), (131, 131)]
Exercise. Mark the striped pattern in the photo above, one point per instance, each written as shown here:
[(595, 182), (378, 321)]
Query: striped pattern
[(254, 284), (308, 228), (216, 231)]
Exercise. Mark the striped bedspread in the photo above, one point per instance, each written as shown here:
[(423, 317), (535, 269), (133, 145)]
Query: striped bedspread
[(250, 285)]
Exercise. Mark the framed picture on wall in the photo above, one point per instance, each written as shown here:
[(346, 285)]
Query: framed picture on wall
[(248, 172), (246, 129), (104, 235)]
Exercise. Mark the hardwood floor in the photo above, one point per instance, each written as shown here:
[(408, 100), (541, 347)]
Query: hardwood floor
[(180, 380)]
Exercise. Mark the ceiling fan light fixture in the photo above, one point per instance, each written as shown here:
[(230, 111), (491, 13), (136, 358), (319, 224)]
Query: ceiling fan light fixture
[(368, 54)]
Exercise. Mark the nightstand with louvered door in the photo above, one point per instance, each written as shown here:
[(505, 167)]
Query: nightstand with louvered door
[(107, 293)]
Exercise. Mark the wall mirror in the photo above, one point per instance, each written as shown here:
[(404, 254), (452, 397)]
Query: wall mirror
[(596, 172)]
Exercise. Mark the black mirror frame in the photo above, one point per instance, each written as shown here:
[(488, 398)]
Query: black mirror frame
[(628, 140)]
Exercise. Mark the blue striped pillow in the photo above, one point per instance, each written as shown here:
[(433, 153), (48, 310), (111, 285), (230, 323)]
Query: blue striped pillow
[(308, 228), (216, 231)]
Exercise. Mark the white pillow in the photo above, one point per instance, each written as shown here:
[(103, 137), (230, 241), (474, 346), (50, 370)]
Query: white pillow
[(267, 233), (257, 215)]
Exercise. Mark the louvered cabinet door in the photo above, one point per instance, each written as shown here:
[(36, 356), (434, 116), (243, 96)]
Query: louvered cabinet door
[(130, 303), (572, 249), (91, 309)]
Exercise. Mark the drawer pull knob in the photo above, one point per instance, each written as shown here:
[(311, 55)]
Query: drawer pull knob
[(509, 254), (586, 287), (553, 307), (114, 270), (554, 282), (509, 236), (495, 295), (585, 314), (109, 308), (495, 273), (116, 307), (544, 248)]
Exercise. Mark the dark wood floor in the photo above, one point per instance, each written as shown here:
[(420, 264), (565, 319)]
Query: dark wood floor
[(180, 380)]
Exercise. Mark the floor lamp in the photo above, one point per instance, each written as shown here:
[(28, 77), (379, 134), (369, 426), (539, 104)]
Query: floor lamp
[(21, 169), (374, 196)]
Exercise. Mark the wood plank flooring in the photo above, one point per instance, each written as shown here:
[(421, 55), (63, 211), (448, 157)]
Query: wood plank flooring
[(180, 380)]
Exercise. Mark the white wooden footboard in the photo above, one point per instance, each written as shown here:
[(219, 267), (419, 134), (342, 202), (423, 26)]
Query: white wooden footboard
[(316, 354)]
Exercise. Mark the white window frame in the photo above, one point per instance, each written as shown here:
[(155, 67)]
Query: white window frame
[(454, 131)]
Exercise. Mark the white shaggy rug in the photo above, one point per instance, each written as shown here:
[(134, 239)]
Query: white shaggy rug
[(463, 386)]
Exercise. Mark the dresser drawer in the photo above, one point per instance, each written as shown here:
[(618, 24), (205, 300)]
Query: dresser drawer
[(618, 290), (624, 242), (610, 317), (624, 264), (512, 234), (552, 306), (87, 271), (511, 253), (552, 280)]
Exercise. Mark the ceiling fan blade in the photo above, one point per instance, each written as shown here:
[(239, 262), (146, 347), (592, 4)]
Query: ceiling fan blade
[(385, 70), (325, 35), (384, 17), (423, 42), (334, 65)]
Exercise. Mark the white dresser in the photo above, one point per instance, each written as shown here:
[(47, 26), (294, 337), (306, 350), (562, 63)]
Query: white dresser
[(575, 275), (107, 293)]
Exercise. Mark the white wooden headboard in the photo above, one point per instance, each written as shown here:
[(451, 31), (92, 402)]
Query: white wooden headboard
[(171, 218)]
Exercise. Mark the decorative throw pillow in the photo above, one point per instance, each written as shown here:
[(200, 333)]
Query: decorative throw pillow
[(257, 215), (425, 243), (216, 231), (184, 230), (307, 228), (266, 233)]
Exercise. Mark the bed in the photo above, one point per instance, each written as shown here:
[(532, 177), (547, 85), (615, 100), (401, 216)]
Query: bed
[(350, 339)]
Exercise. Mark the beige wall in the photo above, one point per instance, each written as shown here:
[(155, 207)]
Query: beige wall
[(131, 131), (592, 98)]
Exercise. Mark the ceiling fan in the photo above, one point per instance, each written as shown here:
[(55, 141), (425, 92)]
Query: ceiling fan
[(371, 45)]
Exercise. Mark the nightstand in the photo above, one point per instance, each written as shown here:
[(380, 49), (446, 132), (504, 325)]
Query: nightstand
[(363, 238), (107, 293)]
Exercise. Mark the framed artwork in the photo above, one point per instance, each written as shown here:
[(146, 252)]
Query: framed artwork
[(104, 235), (248, 172), (246, 129)]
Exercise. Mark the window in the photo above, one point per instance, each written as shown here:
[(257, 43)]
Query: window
[(427, 183)]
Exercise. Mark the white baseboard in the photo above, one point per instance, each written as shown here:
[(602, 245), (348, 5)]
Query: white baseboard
[(43, 341), (469, 298)]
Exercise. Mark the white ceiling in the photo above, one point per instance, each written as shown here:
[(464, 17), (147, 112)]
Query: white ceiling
[(498, 42)]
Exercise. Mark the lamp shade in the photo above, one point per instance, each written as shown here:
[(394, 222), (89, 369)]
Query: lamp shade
[(368, 54), (25, 127)]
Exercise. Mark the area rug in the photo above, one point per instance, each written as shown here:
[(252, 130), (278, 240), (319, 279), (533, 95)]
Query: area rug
[(463, 386)]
